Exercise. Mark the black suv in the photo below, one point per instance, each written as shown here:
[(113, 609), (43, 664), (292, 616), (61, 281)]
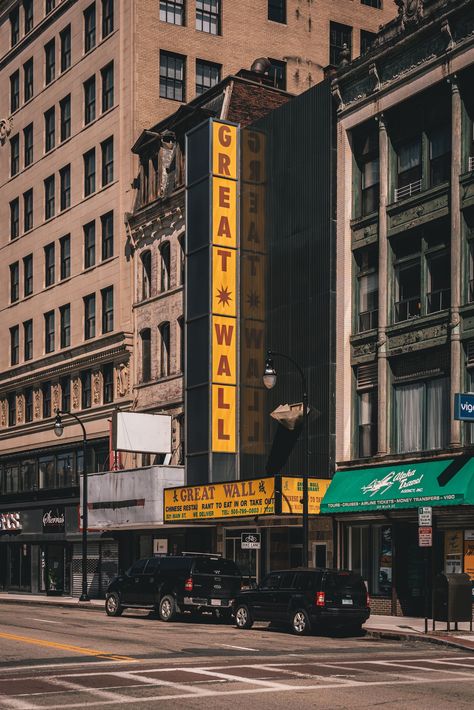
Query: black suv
[(175, 584), (306, 599)]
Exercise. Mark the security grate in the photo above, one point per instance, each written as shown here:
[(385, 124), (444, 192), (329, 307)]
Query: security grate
[(367, 375)]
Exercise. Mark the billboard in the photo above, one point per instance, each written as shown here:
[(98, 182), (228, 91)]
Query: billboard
[(142, 433)]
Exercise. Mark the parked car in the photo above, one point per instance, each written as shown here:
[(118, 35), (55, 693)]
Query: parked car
[(306, 599), (189, 582)]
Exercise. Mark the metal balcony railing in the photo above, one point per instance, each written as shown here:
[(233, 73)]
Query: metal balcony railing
[(438, 300), (368, 320), (408, 190), (407, 309)]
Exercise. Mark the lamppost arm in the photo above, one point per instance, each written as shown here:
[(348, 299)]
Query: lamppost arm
[(62, 412), (272, 353)]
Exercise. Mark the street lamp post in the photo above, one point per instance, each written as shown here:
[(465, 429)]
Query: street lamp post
[(58, 430), (269, 380)]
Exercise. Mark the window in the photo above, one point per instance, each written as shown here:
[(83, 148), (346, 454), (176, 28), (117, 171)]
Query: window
[(28, 339), (12, 409), (65, 323), (277, 73), (65, 109), (14, 345), (207, 75), (28, 275), (14, 155), (107, 148), (15, 26), (65, 187), (28, 144), (172, 11), (28, 210), (438, 295), (15, 91), (14, 282), (49, 207), (368, 292), (366, 150), (440, 155), (14, 218), (146, 274), (108, 383), (107, 224), (164, 349), (182, 261), (49, 332), (89, 245), (373, 3), (208, 16), (339, 35), (89, 172), (46, 390), (107, 74), (409, 164), (107, 309), (28, 15), (181, 343), (89, 100), (89, 28), (86, 387), (29, 404), (49, 129), (28, 80), (65, 254), (367, 423), (172, 76), (165, 256), (65, 383), (89, 316), (366, 40), (421, 415), (49, 264), (49, 6), (145, 338), (408, 290), (277, 10), (49, 61), (107, 17), (65, 37)]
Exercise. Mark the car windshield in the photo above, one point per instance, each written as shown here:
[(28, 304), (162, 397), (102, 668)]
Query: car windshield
[(216, 565)]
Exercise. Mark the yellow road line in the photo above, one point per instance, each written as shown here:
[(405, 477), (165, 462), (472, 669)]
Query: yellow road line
[(66, 647)]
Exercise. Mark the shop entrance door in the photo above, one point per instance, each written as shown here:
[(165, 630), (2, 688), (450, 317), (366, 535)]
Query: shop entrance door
[(53, 568), (20, 567), (246, 560)]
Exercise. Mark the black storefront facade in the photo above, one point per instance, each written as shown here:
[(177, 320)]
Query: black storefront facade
[(375, 511)]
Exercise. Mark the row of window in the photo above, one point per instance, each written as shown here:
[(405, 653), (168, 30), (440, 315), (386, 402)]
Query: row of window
[(107, 102), (89, 305), (89, 187), (164, 363), (106, 396), (208, 14), (340, 37), (173, 76), (89, 231), (90, 21), (147, 286)]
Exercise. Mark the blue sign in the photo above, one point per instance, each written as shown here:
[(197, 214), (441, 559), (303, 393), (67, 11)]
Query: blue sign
[(464, 407)]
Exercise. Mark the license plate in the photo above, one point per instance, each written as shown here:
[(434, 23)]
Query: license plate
[(215, 602), (347, 601)]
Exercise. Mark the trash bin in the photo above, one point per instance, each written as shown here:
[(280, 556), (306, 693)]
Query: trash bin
[(452, 597)]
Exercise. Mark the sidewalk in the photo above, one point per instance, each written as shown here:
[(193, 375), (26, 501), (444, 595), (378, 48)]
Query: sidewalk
[(378, 626)]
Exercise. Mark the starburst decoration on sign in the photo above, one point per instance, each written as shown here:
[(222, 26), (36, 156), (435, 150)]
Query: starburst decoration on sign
[(253, 299), (224, 296)]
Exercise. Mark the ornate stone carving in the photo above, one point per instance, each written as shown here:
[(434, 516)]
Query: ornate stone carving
[(55, 396), (364, 349), (447, 34), (6, 125), (414, 337), (37, 404), (409, 11), (3, 413), (96, 387), (20, 408), (122, 379), (76, 393), (374, 75), (337, 96)]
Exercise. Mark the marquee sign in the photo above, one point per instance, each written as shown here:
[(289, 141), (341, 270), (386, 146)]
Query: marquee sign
[(10, 522)]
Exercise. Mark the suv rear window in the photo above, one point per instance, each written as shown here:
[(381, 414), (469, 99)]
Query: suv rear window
[(175, 564), (344, 581), (307, 581), (216, 565)]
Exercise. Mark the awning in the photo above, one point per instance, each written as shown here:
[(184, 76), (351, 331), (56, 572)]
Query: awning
[(440, 482)]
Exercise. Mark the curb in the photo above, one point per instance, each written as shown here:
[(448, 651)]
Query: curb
[(425, 638), (56, 604)]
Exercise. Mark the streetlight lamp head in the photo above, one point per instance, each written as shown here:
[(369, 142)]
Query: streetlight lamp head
[(269, 374), (58, 425)]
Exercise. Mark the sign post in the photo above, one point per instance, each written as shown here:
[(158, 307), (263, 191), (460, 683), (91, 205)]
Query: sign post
[(425, 539)]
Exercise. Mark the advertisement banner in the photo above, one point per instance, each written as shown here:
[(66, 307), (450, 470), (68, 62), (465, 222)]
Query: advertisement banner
[(292, 491)]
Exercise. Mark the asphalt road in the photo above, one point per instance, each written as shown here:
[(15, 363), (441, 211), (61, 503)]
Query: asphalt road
[(70, 658)]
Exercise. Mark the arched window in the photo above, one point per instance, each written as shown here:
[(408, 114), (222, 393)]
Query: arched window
[(165, 267), (145, 337), (146, 274), (164, 349), (181, 343)]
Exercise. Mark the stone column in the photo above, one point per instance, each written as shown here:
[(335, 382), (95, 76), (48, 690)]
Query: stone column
[(382, 444), (455, 326)]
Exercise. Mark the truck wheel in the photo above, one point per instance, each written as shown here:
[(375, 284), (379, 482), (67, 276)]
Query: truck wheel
[(300, 624), (243, 619), (113, 606), (167, 608)]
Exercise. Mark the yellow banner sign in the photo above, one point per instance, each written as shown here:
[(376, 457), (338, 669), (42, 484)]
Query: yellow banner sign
[(224, 150), (292, 491), (220, 500), (224, 349), (223, 418), (224, 281), (224, 212)]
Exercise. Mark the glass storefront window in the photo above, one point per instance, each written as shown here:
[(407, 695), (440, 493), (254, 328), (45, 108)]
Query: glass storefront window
[(47, 472), (246, 560), (382, 560), (368, 551)]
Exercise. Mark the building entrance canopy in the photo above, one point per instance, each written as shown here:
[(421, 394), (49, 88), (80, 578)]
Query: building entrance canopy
[(433, 483)]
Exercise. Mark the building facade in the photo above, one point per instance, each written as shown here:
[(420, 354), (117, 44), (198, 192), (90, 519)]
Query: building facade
[(404, 313)]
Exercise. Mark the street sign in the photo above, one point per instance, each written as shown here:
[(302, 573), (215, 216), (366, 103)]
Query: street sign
[(250, 541), (425, 517), (425, 536), (464, 407)]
